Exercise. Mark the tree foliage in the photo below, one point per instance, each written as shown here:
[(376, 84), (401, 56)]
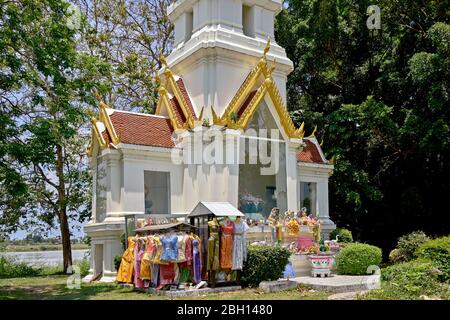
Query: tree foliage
[(129, 35), (381, 101), (45, 91)]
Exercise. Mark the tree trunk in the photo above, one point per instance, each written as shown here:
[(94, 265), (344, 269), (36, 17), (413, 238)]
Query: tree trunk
[(66, 245), (62, 212)]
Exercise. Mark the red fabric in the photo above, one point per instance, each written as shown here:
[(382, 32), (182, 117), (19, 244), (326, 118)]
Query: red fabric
[(166, 273)]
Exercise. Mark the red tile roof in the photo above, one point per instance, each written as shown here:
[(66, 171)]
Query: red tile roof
[(183, 90), (177, 110), (310, 153), (145, 130)]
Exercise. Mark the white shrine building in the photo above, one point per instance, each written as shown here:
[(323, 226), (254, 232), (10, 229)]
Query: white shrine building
[(222, 86)]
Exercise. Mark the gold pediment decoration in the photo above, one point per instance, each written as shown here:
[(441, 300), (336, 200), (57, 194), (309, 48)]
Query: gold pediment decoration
[(268, 86)]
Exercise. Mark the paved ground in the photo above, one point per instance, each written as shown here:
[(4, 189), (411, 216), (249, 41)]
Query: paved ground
[(338, 283), (345, 295)]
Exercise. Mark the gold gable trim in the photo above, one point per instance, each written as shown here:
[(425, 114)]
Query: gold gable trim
[(164, 99), (267, 87)]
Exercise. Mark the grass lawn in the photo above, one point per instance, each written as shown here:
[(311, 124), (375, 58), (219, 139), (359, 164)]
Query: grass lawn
[(54, 287)]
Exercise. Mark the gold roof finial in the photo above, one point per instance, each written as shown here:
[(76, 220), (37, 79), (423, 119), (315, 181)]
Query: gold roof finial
[(157, 79), (267, 48), (321, 143), (313, 134), (97, 95), (332, 160), (162, 59)]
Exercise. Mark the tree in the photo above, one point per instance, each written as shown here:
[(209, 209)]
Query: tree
[(45, 92), (380, 99), (129, 35)]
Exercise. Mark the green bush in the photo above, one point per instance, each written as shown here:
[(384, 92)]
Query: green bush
[(438, 252), (264, 263), (84, 266), (344, 235), (9, 268), (355, 258), (408, 280), (408, 244)]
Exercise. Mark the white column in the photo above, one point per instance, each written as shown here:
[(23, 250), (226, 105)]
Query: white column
[(292, 148), (113, 204), (231, 167), (112, 247)]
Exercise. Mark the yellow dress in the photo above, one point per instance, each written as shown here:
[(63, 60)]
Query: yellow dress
[(146, 260), (125, 273)]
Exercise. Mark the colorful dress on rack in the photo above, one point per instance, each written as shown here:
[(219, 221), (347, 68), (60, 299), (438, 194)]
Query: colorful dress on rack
[(213, 247), (196, 260), (125, 272), (181, 249), (166, 274), (138, 253), (169, 248), (239, 245), (188, 251), (226, 245), (146, 259)]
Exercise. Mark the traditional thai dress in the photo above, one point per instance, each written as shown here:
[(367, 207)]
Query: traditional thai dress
[(239, 245), (181, 249), (146, 259), (170, 248), (213, 248), (125, 272), (196, 260), (166, 274), (188, 250), (138, 253), (226, 245)]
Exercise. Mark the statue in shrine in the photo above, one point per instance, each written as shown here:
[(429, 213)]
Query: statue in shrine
[(275, 222)]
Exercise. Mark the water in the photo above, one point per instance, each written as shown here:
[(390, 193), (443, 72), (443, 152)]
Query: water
[(44, 258)]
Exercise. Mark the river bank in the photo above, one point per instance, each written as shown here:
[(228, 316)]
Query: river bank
[(44, 258), (39, 247)]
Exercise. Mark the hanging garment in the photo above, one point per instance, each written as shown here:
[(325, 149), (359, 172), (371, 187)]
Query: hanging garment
[(185, 274), (181, 249), (196, 260), (155, 274), (176, 270), (226, 245), (239, 245), (188, 251), (166, 274), (158, 250), (138, 253), (213, 247), (146, 260), (169, 248), (125, 272)]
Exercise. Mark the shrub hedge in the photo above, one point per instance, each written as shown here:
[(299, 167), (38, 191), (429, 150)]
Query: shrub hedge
[(345, 235), (408, 280), (9, 268), (409, 243), (264, 263), (355, 258), (437, 251)]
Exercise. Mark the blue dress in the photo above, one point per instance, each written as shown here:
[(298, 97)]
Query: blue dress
[(170, 248)]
